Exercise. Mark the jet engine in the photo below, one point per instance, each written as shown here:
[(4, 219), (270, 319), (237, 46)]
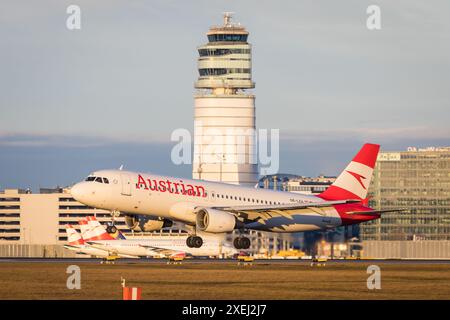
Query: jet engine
[(146, 223), (215, 221)]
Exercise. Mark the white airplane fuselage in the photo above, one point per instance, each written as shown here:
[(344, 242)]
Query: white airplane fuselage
[(174, 199), (164, 246)]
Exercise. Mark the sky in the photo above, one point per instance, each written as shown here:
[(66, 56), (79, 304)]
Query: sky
[(111, 93)]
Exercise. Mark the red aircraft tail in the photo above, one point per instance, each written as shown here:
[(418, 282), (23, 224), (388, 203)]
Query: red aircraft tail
[(354, 181)]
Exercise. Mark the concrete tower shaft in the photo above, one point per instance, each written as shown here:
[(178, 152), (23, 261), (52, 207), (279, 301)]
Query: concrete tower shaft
[(224, 129)]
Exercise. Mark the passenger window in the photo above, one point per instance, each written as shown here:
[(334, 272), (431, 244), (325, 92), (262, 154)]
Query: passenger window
[(105, 180), (98, 179)]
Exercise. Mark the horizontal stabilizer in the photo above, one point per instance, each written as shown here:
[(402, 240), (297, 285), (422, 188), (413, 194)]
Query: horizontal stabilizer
[(292, 206), (376, 211)]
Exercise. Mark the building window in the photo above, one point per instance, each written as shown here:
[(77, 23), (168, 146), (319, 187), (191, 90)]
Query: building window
[(227, 37)]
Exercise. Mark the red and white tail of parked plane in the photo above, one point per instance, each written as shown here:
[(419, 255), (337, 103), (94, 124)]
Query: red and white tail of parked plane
[(92, 230), (218, 207), (73, 237), (78, 244)]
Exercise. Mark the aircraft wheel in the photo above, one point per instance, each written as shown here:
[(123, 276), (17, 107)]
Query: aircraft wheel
[(197, 242), (237, 243), (189, 242), (242, 243), (245, 243), (111, 229)]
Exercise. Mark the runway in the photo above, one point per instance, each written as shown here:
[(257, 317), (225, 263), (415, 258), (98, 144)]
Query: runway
[(223, 279), (206, 261)]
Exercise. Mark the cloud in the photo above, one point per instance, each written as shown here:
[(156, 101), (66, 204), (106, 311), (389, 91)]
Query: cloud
[(376, 135), (36, 140), (418, 133)]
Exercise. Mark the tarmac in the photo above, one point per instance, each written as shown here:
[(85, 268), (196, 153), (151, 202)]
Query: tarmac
[(205, 279), (205, 260)]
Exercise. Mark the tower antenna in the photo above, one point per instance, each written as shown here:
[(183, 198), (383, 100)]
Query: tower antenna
[(227, 18)]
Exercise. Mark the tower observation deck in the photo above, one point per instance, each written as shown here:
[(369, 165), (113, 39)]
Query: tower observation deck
[(225, 62), (224, 129)]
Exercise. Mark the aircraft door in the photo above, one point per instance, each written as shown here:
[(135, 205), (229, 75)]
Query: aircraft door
[(126, 184)]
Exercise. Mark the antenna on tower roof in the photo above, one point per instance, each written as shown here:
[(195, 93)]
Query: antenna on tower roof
[(227, 18)]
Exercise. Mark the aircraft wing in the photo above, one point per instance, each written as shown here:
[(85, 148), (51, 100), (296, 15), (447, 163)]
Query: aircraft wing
[(73, 248), (163, 251), (264, 212), (101, 246), (68, 246)]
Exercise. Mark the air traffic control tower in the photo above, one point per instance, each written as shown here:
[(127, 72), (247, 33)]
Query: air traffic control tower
[(224, 129)]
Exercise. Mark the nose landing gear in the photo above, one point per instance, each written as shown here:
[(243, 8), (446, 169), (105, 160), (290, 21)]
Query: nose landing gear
[(242, 243), (194, 242), (111, 229)]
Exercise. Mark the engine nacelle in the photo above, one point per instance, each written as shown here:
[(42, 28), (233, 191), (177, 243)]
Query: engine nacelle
[(142, 223), (215, 221)]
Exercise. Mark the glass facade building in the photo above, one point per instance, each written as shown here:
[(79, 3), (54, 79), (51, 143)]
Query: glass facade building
[(419, 181)]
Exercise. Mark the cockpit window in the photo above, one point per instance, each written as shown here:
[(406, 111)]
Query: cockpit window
[(97, 179)]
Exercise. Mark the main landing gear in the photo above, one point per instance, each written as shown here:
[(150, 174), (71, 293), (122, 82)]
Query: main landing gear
[(242, 243), (194, 242)]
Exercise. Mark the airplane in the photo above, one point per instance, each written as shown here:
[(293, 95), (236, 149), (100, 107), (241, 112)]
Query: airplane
[(150, 202), (96, 236), (166, 246)]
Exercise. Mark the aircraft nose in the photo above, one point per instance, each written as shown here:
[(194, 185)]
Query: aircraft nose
[(77, 192)]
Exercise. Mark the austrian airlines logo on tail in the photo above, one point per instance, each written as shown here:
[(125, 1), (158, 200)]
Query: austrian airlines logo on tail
[(354, 181), (358, 177)]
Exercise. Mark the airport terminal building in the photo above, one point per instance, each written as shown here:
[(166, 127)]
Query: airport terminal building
[(419, 181), (33, 224)]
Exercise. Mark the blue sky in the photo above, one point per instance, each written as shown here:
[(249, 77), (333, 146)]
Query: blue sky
[(112, 92)]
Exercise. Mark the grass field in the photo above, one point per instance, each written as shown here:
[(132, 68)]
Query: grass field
[(210, 280)]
